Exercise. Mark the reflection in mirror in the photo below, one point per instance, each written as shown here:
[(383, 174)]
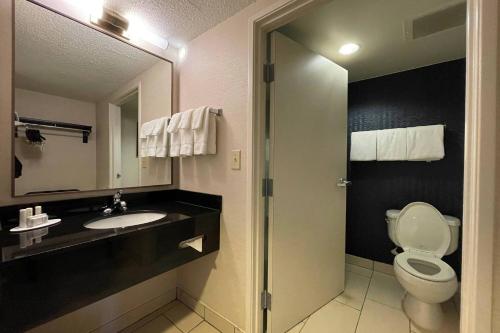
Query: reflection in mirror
[(80, 99)]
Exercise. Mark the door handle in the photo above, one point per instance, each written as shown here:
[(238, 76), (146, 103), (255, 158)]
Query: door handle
[(342, 182)]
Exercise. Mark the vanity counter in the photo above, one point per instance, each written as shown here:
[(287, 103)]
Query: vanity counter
[(73, 266), (71, 231)]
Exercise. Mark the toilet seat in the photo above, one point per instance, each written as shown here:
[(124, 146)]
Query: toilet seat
[(421, 228), (425, 267)]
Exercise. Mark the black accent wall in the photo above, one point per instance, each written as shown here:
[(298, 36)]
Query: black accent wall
[(424, 96)]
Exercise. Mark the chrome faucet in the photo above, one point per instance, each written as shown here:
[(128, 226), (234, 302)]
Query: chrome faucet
[(118, 205)]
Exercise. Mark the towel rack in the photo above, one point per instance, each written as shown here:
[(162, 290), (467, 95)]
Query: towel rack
[(27, 122), (217, 112)]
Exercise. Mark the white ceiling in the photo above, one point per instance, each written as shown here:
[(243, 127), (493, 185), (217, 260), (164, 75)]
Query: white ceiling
[(57, 56), (377, 26), (179, 21)]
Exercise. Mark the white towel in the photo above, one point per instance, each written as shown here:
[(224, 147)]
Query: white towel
[(162, 140), (153, 139), (146, 138), (175, 137), (186, 133), (205, 132), (364, 146), (391, 145), (425, 143), (197, 117)]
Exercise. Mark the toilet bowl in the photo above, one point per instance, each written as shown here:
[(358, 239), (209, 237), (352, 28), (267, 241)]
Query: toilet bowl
[(425, 237)]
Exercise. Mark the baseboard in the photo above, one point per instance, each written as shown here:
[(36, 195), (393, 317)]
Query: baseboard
[(210, 315), (368, 264)]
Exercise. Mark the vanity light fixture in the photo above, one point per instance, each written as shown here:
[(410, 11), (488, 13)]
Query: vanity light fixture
[(139, 30), (349, 48), (111, 21), (182, 53)]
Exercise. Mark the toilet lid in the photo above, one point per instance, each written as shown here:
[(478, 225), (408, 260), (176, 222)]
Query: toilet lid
[(421, 227)]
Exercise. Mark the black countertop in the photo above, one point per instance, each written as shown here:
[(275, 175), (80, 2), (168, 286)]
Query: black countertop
[(71, 266), (72, 232)]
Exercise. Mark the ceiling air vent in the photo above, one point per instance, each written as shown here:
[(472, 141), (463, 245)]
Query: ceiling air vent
[(445, 18)]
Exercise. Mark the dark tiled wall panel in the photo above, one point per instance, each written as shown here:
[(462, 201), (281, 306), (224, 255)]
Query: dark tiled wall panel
[(424, 96)]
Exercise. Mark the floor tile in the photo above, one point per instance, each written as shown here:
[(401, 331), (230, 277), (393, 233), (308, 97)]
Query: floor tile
[(379, 318), (183, 317), (204, 327), (385, 289), (451, 322), (363, 262), (298, 327), (355, 290), (359, 270), (332, 318), (190, 302), (383, 268), (141, 322), (158, 325)]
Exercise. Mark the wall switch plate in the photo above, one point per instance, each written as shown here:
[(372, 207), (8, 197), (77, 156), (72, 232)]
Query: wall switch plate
[(144, 163), (236, 160)]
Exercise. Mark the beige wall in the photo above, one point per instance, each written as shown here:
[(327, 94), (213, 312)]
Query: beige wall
[(216, 72), (155, 101), (64, 154)]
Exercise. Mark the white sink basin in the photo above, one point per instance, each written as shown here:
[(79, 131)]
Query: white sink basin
[(127, 220)]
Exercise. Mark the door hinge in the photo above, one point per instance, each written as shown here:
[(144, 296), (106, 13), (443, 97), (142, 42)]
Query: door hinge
[(269, 73), (267, 187), (265, 300)]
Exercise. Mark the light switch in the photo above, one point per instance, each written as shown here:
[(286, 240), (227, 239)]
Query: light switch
[(236, 160)]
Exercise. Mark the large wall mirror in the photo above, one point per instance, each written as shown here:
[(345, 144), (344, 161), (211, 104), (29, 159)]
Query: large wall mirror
[(80, 98)]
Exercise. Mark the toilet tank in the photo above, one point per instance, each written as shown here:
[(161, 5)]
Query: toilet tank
[(454, 223)]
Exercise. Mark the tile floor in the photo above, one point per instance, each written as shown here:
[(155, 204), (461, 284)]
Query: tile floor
[(174, 317), (371, 303)]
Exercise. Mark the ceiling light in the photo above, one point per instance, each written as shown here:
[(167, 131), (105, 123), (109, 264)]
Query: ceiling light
[(182, 53), (349, 48), (139, 30)]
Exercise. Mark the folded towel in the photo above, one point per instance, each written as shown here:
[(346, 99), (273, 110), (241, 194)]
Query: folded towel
[(425, 143), (162, 140), (364, 146), (186, 133), (147, 129), (175, 136), (391, 145), (146, 138), (197, 117), (205, 135)]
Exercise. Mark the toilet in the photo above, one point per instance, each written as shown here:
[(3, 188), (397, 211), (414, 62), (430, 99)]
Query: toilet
[(425, 237)]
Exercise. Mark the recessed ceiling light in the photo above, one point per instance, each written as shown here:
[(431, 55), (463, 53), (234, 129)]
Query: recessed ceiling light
[(349, 48)]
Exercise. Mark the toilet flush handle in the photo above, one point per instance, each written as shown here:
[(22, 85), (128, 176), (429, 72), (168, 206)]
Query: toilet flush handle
[(342, 182)]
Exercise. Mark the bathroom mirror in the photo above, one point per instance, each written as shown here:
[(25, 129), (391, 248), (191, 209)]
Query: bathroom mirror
[(80, 97)]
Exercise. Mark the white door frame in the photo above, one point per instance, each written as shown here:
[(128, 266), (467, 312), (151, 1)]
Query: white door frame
[(479, 168)]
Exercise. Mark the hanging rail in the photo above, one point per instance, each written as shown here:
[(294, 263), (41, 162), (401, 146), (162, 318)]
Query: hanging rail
[(27, 122)]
